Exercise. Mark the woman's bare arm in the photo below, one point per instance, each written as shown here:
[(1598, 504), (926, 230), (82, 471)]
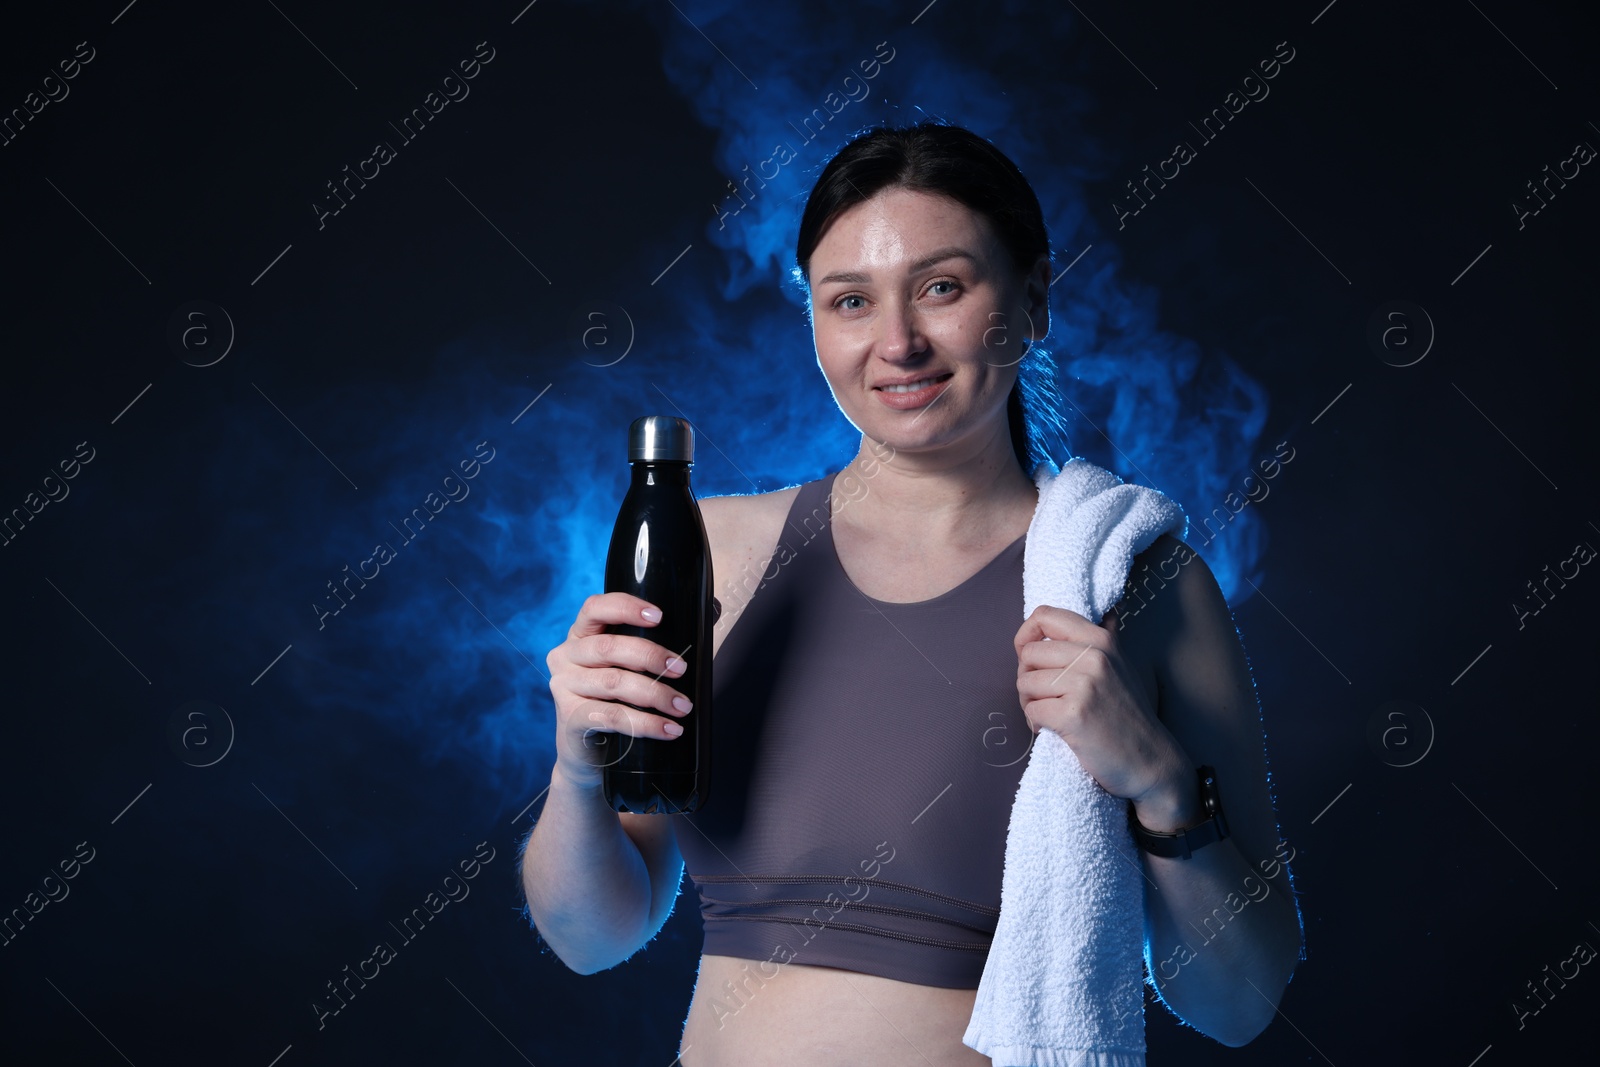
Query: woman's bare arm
[(586, 883), (595, 894), (1223, 929), (599, 883)]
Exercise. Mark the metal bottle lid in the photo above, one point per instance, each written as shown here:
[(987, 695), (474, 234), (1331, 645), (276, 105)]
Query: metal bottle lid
[(660, 439)]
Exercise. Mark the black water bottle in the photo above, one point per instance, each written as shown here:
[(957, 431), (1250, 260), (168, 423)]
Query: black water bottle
[(659, 552)]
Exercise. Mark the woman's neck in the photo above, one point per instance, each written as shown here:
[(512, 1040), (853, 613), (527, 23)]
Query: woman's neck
[(948, 498)]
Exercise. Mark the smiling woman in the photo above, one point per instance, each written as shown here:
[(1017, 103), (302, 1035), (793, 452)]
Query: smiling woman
[(850, 688)]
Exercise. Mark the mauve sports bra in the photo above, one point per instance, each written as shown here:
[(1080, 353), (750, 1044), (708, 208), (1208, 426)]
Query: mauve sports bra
[(865, 758)]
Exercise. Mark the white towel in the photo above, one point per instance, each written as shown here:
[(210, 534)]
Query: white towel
[(1063, 983)]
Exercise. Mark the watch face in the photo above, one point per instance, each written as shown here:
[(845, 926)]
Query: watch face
[(1210, 796)]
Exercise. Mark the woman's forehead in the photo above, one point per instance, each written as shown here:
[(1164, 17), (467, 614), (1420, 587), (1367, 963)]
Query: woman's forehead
[(897, 228)]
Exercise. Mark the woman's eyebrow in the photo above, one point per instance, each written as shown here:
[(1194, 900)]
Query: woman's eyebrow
[(855, 277)]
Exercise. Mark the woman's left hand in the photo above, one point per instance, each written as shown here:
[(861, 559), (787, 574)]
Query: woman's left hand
[(1079, 684)]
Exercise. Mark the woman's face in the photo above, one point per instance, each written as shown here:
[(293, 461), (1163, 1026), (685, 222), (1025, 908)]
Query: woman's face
[(919, 319)]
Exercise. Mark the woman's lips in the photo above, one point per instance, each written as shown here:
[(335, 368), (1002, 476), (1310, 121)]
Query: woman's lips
[(916, 398)]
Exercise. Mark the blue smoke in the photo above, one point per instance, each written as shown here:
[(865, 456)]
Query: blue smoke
[(447, 647)]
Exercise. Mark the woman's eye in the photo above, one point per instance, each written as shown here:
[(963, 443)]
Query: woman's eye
[(843, 300), (947, 282)]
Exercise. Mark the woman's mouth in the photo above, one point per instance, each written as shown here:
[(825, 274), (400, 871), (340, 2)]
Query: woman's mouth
[(912, 395)]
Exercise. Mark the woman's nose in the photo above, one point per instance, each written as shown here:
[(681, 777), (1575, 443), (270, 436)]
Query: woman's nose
[(902, 336)]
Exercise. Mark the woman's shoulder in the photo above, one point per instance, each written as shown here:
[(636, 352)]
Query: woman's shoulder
[(736, 511), (743, 533), (1173, 611), (744, 528)]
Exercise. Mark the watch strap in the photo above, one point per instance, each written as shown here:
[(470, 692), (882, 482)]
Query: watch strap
[(1180, 844)]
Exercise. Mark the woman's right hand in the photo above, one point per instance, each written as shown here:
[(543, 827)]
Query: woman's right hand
[(595, 676)]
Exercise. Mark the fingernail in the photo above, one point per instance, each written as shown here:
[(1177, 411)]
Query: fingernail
[(672, 729), (681, 703), (676, 666), (651, 614)]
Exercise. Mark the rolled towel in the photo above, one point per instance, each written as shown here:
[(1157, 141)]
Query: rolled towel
[(1063, 985)]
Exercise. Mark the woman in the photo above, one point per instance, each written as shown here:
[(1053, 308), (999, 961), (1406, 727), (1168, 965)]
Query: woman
[(927, 264)]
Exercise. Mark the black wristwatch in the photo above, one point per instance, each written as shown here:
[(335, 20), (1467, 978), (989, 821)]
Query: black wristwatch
[(1182, 843)]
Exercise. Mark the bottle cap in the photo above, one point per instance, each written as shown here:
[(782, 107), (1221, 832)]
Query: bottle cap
[(660, 438)]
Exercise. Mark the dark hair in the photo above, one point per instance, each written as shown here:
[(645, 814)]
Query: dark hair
[(951, 161)]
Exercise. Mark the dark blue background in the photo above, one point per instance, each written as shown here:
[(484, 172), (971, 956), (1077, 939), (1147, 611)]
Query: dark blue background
[(381, 349)]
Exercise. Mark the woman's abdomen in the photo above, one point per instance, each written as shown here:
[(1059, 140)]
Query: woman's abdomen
[(748, 1013)]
